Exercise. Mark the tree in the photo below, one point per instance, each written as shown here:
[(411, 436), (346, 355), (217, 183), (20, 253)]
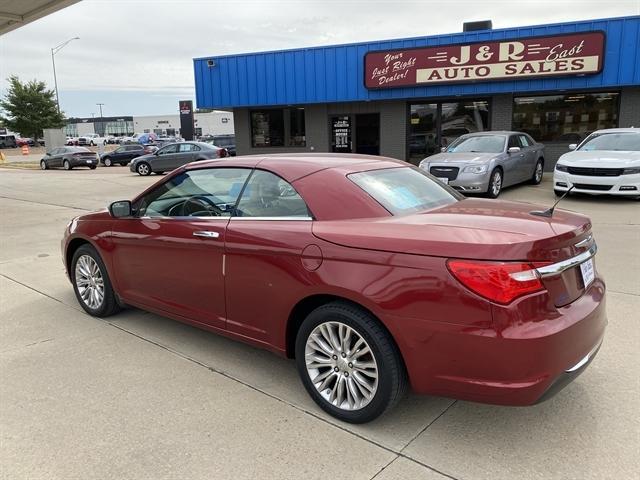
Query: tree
[(29, 107)]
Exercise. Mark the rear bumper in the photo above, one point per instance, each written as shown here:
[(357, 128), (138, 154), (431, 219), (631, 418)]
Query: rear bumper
[(75, 162), (530, 354)]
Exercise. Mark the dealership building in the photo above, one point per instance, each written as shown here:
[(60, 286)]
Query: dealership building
[(407, 98)]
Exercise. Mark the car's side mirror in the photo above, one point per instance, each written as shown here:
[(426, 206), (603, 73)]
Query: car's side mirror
[(513, 150), (120, 209), (48, 154), (443, 149), (573, 146)]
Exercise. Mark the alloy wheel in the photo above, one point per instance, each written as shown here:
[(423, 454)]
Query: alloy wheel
[(496, 184), (89, 282), (43, 165), (341, 366), (538, 174), (143, 169), (107, 162)]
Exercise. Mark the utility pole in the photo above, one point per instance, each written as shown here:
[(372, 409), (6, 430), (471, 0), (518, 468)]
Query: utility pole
[(55, 50)]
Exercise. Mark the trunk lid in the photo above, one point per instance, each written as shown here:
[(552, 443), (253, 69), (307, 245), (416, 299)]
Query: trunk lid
[(476, 229)]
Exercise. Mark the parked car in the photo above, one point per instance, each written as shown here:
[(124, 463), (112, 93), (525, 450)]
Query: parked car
[(92, 139), (606, 162), (125, 153), (68, 158), (8, 141), (227, 142), (486, 162), (175, 155), (22, 141), (369, 272)]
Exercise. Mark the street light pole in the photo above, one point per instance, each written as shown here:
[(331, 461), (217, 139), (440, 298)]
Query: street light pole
[(101, 122), (55, 50)]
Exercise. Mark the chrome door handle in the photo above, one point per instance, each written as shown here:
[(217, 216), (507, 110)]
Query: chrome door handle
[(206, 234)]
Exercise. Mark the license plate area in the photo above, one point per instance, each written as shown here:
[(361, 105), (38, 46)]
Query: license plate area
[(588, 272), (443, 180)]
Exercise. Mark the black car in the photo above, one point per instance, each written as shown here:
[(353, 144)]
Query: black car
[(228, 142), (69, 157), (125, 153)]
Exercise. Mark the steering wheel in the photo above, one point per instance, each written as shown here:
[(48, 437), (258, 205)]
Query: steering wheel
[(196, 206)]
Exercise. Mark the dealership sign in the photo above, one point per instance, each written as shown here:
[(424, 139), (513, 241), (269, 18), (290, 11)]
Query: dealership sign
[(571, 54)]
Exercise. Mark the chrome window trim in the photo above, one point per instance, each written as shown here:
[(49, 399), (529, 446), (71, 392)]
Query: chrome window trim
[(288, 219), (557, 268)]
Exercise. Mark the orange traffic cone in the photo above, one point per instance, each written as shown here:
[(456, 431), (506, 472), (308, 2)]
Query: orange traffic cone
[(25, 149)]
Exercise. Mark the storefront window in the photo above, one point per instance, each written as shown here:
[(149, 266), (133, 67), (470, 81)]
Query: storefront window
[(436, 125), (278, 127), (566, 118)]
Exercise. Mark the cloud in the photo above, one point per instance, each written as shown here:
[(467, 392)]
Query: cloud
[(148, 45)]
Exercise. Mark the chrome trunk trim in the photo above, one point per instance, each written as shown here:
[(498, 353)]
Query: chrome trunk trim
[(558, 268)]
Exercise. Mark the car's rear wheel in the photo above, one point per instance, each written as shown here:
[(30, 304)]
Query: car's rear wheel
[(43, 165), (91, 283), (495, 184), (107, 162), (66, 165), (538, 172), (143, 168), (348, 363)]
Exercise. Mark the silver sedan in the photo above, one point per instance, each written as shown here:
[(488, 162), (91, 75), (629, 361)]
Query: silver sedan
[(485, 162)]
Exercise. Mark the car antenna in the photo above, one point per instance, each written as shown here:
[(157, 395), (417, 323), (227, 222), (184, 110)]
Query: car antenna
[(549, 212)]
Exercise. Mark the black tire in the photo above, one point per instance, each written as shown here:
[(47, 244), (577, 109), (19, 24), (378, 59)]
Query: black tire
[(392, 377), (106, 161), (559, 193), (538, 172), (92, 167), (66, 165), (143, 169), (496, 177), (43, 165), (159, 173), (123, 164), (109, 304)]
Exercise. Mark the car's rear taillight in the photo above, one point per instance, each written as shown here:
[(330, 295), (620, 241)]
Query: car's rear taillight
[(500, 282)]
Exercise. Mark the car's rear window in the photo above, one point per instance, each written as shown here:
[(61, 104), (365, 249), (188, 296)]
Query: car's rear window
[(404, 190)]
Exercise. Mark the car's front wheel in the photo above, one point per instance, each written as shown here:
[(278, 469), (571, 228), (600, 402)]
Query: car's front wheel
[(91, 283), (43, 165), (66, 165), (107, 162), (348, 363), (495, 184), (143, 168)]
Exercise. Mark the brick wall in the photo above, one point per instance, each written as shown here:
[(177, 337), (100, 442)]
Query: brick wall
[(501, 112), (630, 108)]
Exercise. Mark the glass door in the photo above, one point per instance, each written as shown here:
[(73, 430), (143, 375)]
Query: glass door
[(341, 134), (423, 131)]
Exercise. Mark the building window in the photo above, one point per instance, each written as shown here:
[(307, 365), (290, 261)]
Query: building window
[(278, 128), (436, 125), (565, 118)]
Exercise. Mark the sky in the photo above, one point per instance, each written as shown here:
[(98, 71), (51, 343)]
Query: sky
[(135, 56)]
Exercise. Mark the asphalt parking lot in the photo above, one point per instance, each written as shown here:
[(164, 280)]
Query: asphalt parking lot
[(141, 396)]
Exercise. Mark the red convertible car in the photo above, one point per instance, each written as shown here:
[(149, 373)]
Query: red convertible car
[(369, 272)]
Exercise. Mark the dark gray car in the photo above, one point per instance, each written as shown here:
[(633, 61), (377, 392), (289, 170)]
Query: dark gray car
[(68, 158), (174, 155), (485, 162)]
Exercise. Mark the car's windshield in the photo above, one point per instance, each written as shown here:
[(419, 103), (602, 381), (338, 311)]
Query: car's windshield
[(622, 141), (404, 190), (478, 143)]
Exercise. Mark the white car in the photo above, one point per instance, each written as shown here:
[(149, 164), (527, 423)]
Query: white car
[(92, 139), (606, 162)]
